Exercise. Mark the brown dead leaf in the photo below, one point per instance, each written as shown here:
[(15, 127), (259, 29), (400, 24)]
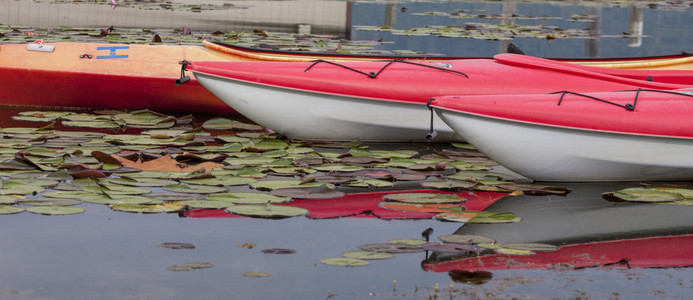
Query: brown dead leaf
[(167, 164)]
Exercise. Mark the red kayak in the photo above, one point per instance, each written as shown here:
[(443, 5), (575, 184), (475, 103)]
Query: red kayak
[(632, 135), (386, 100)]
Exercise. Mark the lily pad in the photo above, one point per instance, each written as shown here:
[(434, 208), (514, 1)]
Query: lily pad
[(337, 168), (391, 248), (466, 239), (43, 182), (643, 195), (8, 200), (367, 255), (449, 184), (14, 188), (190, 266), (247, 198), (366, 183), (482, 217), (115, 199), (425, 198), (55, 210), (153, 182), (177, 245), (221, 181), (114, 189), (319, 192), (195, 189), (257, 274), (344, 262), (211, 204), (175, 196), (531, 246), (46, 201), (536, 189), (278, 251), (148, 208), (278, 184), (9, 209), (226, 124), (452, 248), (410, 242), (511, 251), (267, 211), (424, 208)]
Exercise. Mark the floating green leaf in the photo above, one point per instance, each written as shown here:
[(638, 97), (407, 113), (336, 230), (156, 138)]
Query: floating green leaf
[(484, 217), (153, 182), (257, 274), (643, 195), (425, 198), (187, 188), (8, 200), (148, 208), (531, 246), (391, 248), (466, 239), (226, 124), (46, 201), (449, 184), (191, 266), (248, 198), (267, 211), (319, 192), (177, 245), (55, 210), (411, 242), (210, 204), (278, 184), (9, 209), (115, 199), (344, 262), (367, 255), (221, 181)]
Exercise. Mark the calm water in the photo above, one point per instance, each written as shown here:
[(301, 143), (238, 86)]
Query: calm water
[(104, 254)]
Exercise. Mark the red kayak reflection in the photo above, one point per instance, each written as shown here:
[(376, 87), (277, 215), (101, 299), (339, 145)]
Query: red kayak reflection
[(362, 205), (649, 252)]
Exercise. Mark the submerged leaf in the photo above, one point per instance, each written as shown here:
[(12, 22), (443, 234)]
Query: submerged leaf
[(176, 245), (190, 266)]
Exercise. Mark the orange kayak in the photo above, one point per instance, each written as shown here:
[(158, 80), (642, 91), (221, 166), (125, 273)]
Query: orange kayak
[(134, 76), (683, 61), (105, 76)]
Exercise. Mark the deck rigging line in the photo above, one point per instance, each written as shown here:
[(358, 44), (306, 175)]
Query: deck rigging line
[(628, 106), (374, 75)]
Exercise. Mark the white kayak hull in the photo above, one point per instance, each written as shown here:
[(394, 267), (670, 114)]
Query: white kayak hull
[(304, 115), (552, 153)]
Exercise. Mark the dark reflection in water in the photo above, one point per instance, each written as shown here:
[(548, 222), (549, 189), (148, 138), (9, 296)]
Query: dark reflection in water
[(589, 231)]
